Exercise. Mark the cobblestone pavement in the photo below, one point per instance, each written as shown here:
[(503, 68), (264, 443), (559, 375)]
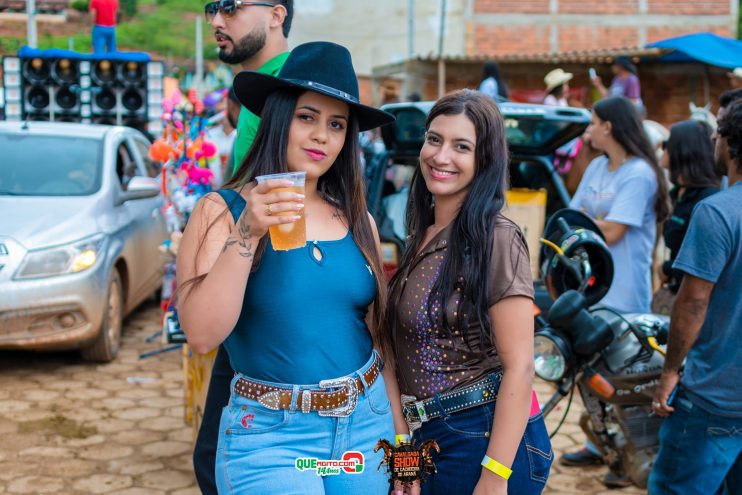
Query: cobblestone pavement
[(70, 427)]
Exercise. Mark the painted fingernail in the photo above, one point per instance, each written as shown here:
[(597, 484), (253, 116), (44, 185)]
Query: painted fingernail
[(300, 196), (299, 206)]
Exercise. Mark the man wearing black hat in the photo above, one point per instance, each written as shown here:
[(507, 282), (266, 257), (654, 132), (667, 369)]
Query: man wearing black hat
[(253, 35), (625, 82)]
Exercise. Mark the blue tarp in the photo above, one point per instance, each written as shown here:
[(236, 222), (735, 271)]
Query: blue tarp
[(28, 52), (708, 48)]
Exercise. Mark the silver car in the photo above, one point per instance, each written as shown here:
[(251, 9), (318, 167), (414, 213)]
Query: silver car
[(80, 227)]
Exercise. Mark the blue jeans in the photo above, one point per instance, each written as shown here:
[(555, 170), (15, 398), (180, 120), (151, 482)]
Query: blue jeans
[(258, 447), (104, 39), (463, 438), (698, 452)]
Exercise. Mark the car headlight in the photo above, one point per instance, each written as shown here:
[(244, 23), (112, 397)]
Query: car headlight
[(551, 356), (74, 257)]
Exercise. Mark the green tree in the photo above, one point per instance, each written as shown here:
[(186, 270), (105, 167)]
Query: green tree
[(129, 7)]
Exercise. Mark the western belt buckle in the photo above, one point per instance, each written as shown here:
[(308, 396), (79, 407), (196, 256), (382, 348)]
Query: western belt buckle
[(410, 404), (348, 383)]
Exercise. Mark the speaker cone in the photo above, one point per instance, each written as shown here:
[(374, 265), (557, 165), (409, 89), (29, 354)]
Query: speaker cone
[(132, 100), (36, 70), (132, 73), (106, 100), (104, 120), (104, 73), (65, 98), (64, 71), (38, 97)]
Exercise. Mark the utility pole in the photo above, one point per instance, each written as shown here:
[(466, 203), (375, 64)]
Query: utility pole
[(441, 62), (410, 28), (31, 23), (442, 29), (199, 57)]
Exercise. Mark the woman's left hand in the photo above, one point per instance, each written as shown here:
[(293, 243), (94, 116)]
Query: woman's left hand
[(491, 484)]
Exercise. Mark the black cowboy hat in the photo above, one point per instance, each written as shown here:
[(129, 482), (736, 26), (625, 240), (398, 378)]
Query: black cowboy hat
[(319, 66)]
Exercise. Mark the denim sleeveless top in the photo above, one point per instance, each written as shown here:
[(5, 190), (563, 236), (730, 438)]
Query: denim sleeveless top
[(303, 318)]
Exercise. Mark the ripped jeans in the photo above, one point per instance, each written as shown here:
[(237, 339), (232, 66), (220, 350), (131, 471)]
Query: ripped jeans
[(700, 453)]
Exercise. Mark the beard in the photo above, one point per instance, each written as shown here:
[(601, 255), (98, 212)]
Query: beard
[(245, 48), (722, 166)]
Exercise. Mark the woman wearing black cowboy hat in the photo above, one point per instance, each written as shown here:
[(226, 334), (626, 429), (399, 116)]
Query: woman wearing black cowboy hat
[(300, 326)]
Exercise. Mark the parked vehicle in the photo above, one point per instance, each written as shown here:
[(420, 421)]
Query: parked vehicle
[(79, 235), (534, 132), (614, 360)]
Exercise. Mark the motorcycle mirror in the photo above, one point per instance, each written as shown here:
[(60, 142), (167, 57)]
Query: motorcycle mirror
[(564, 309), (591, 334), (587, 333)]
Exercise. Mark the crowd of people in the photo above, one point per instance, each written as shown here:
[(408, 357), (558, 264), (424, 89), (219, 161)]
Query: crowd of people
[(318, 357)]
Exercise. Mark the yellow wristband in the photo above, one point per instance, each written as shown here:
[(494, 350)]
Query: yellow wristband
[(402, 438), (497, 468)]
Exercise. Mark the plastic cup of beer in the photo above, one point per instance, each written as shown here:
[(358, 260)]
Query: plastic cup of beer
[(288, 235)]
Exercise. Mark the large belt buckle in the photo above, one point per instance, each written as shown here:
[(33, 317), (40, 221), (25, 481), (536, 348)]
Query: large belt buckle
[(348, 383), (412, 407)]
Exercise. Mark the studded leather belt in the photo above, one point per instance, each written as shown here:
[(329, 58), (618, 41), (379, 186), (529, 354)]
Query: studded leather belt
[(337, 398), (416, 412)]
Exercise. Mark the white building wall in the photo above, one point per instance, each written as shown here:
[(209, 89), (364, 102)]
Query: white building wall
[(376, 31)]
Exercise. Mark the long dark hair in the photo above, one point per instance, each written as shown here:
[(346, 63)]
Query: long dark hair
[(557, 92), (342, 186), (491, 69), (627, 130), (465, 266), (691, 154)]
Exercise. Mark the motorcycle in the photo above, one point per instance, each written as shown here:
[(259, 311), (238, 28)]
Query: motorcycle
[(613, 360)]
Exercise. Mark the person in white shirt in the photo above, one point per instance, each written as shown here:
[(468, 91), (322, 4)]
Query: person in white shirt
[(557, 88), (492, 84)]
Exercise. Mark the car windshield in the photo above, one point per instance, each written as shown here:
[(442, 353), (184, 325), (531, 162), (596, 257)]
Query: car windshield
[(533, 133), (528, 128), (38, 165)]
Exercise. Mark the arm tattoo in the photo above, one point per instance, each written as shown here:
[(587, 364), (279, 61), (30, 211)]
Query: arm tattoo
[(242, 241)]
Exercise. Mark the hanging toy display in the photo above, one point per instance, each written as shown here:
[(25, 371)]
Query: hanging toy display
[(185, 152)]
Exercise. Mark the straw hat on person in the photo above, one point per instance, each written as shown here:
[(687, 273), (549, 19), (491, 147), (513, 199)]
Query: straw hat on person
[(556, 78)]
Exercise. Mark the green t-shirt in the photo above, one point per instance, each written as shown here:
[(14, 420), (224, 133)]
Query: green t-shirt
[(247, 125)]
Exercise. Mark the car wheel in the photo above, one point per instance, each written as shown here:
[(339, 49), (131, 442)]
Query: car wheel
[(106, 345)]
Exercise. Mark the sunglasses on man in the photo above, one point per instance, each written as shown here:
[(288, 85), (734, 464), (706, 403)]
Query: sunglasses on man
[(229, 7)]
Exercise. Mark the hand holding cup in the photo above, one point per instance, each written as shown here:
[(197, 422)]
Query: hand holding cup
[(272, 203), (283, 208)]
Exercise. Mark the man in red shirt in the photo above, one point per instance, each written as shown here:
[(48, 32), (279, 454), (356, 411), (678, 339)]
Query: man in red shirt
[(104, 24)]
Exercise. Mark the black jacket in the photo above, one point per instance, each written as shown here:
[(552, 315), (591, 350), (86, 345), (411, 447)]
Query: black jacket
[(677, 225)]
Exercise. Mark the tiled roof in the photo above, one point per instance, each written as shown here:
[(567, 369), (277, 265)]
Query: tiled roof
[(578, 56)]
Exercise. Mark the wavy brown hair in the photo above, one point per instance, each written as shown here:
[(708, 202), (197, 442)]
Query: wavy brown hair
[(342, 186)]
